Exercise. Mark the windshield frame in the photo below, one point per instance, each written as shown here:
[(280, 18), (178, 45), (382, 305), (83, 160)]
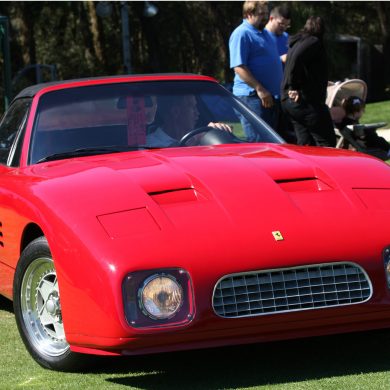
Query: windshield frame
[(142, 87)]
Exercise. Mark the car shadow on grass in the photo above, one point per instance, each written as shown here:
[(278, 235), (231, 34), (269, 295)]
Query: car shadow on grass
[(257, 364), (6, 304), (249, 365)]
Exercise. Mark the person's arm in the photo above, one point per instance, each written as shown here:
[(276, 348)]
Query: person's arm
[(246, 75)]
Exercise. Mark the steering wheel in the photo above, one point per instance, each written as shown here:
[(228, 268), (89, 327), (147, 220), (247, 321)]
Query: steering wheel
[(194, 132), (213, 136)]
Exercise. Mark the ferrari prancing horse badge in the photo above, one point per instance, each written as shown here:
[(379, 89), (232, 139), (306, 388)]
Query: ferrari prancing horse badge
[(277, 235)]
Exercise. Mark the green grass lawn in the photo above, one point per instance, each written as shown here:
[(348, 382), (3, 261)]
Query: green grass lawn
[(353, 361), (377, 112)]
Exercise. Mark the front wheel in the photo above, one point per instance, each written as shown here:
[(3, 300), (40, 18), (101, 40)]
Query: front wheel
[(37, 308)]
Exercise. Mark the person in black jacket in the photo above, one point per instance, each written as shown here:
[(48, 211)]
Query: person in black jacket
[(304, 85)]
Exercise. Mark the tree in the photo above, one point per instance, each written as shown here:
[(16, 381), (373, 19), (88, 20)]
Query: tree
[(185, 36), (383, 10)]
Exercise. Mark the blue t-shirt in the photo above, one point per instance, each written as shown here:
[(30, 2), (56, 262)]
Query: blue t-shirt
[(281, 42), (256, 50)]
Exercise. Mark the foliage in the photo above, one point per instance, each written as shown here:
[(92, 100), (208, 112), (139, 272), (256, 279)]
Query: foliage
[(185, 36)]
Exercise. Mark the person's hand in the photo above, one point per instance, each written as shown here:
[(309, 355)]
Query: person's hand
[(267, 101), (293, 95), (193, 141), (221, 126)]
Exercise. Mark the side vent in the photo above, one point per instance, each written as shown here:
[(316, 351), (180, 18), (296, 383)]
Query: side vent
[(1, 235)]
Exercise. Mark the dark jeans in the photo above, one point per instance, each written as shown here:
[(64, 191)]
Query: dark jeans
[(312, 122), (285, 128), (269, 115)]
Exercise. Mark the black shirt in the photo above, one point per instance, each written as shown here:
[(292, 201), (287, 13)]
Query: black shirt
[(306, 69)]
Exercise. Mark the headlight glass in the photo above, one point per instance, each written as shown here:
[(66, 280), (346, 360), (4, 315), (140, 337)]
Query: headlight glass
[(161, 297), (158, 298)]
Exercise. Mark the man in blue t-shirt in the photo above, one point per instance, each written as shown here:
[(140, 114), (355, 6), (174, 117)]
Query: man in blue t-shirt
[(257, 66), (278, 23)]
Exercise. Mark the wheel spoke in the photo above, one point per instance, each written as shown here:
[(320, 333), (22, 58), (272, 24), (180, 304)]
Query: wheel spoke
[(59, 329), (45, 289), (46, 319)]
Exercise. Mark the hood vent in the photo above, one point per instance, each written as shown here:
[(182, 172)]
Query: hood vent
[(310, 184), (177, 195)]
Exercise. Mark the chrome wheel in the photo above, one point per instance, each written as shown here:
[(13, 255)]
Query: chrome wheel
[(41, 308), (37, 308)]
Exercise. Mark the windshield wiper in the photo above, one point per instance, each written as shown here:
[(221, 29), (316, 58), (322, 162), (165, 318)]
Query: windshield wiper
[(81, 152)]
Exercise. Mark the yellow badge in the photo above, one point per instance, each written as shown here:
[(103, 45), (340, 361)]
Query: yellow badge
[(277, 235)]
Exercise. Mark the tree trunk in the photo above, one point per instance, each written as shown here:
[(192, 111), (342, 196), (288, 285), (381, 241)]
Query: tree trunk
[(383, 10), (93, 26), (23, 23)]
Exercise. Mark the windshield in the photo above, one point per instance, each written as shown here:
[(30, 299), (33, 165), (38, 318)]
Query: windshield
[(127, 116)]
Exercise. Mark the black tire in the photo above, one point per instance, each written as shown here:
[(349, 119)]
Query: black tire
[(38, 311)]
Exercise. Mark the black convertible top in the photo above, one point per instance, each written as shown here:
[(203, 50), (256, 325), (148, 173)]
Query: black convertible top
[(34, 89)]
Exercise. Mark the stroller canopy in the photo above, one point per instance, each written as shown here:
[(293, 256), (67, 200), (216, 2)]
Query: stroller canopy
[(341, 90)]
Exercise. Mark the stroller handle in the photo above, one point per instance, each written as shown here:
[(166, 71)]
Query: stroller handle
[(373, 126)]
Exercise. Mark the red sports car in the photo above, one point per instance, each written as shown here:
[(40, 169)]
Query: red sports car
[(135, 217)]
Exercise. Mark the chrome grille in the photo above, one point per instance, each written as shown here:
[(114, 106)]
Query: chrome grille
[(291, 289)]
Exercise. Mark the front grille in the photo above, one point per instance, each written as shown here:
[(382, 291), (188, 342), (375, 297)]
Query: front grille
[(291, 289)]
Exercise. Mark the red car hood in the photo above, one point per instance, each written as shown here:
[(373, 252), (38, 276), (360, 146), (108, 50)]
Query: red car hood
[(244, 173), (255, 194)]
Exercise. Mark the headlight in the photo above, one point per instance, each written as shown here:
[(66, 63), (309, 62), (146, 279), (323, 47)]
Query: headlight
[(160, 297)]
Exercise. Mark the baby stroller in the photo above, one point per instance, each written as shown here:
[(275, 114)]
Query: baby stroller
[(351, 136)]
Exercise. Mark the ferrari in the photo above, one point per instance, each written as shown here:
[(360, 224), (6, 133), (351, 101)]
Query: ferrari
[(137, 217)]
